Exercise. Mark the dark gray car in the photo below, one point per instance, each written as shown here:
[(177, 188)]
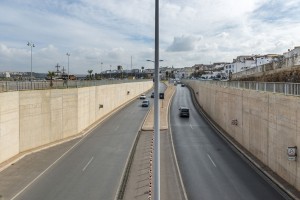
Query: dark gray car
[(184, 112)]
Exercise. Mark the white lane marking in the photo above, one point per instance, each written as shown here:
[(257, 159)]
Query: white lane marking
[(211, 160), (58, 159), (191, 126), (88, 164)]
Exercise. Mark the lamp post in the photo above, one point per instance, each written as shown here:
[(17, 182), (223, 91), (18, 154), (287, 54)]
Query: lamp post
[(156, 169), (110, 72), (31, 45), (101, 71), (154, 61), (68, 54)]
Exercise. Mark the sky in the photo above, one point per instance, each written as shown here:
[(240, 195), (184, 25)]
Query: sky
[(121, 32)]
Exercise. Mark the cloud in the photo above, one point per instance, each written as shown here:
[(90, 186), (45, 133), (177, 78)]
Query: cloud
[(113, 31), (184, 43)]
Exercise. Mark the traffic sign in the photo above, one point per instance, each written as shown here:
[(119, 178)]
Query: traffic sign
[(292, 153)]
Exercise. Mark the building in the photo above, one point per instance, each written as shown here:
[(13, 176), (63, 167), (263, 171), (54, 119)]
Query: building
[(292, 57)]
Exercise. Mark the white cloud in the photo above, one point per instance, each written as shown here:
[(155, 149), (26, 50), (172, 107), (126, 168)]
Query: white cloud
[(113, 31), (183, 43)]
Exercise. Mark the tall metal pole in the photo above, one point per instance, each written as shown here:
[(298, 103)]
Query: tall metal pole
[(156, 169), (110, 72), (68, 65), (68, 54), (101, 71), (31, 65), (31, 45)]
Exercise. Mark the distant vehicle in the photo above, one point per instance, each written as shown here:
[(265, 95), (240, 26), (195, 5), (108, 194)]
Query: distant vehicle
[(184, 112), (152, 95), (143, 96), (145, 103), (182, 85)]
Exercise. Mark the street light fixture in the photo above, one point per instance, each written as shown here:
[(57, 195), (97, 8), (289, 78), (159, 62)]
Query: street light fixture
[(31, 45), (154, 61)]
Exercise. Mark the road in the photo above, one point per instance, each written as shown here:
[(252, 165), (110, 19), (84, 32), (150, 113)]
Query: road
[(93, 169), (210, 168)]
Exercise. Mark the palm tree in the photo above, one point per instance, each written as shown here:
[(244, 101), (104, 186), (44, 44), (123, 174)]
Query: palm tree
[(51, 75), (90, 72)]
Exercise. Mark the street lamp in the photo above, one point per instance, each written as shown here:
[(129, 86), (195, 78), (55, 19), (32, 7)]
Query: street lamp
[(101, 71), (154, 62), (31, 45), (68, 54), (110, 72)]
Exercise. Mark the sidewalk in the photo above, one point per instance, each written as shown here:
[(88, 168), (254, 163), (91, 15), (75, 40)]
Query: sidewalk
[(138, 184)]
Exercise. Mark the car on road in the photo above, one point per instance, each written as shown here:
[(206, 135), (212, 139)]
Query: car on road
[(143, 96), (182, 85), (145, 103), (184, 111), (152, 95)]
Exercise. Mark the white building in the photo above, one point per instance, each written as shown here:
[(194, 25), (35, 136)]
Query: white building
[(229, 68), (292, 57), (4, 74)]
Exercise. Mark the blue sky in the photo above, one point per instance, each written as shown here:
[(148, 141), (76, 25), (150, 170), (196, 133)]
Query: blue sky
[(113, 31)]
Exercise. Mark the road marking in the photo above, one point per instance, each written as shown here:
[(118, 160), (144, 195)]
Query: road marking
[(88, 164), (58, 159), (191, 126), (211, 160)]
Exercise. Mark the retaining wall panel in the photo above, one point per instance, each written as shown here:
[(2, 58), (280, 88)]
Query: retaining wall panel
[(268, 123), (9, 125), (70, 112)]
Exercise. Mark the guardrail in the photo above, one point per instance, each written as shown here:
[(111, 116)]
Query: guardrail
[(7, 86), (275, 87)]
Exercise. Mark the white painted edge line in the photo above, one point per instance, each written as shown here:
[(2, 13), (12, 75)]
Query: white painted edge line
[(174, 152), (58, 159), (211, 160), (88, 163)]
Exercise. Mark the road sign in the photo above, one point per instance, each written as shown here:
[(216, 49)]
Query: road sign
[(292, 153)]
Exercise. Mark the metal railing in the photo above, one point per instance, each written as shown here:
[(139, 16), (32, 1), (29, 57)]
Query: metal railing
[(7, 86), (275, 87)]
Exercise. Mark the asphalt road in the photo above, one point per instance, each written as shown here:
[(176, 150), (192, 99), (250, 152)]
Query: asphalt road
[(210, 169), (93, 169)]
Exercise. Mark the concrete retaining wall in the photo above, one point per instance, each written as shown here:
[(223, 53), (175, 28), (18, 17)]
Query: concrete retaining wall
[(268, 123), (29, 119)]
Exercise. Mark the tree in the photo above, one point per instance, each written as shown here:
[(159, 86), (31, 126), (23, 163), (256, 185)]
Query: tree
[(90, 73), (51, 75)]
